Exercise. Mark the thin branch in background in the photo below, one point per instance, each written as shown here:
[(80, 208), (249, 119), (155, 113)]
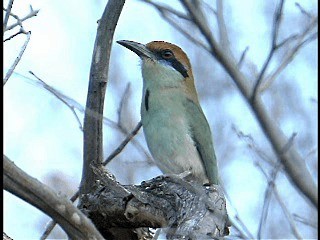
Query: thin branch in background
[(275, 31), (21, 31), (6, 17), (243, 231), (310, 153), (17, 60), (271, 184), (289, 144), (200, 22), (303, 10), (19, 22), (301, 40), (167, 9), (243, 55), (248, 139), (207, 6), (282, 204), (306, 221), (123, 144), (123, 129), (166, 14), (123, 101), (60, 96), (267, 197), (292, 224), (288, 40), (186, 33), (223, 33)]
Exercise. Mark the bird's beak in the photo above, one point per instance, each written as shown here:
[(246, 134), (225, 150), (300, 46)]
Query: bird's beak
[(140, 49)]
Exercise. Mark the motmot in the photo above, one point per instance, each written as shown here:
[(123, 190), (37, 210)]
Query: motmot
[(176, 130)]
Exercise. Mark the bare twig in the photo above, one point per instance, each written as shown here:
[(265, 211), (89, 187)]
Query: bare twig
[(272, 187), (6, 17), (124, 100), (60, 96), (17, 60), (303, 11), (288, 40), (275, 31), (123, 144), (252, 145), (267, 197), (166, 13), (186, 33), (289, 144), (21, 31), (243, 55), (167, 9), (208, 6), (301, 40), (292, 224), (271, 183), (32, 13), (243, 230), (310, 153), (305, 221), (200, 21)]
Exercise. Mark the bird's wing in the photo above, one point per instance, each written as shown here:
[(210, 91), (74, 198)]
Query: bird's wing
[(201, 135)]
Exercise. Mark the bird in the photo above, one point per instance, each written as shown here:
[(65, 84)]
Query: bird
[(176, 130)]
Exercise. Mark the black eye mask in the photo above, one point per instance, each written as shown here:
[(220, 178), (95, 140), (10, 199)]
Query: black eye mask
[(164, 55)]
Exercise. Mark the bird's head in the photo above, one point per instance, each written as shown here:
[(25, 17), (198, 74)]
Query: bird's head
[(164, 65)]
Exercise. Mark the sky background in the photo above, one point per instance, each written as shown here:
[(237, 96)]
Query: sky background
[(42, 136)]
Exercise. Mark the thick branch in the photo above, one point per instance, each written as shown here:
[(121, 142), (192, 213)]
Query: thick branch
[(71, 219), (165, 201), (93, 147)]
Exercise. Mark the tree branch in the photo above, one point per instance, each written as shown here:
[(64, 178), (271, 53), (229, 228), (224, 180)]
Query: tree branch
[(275, 32), (17, 60), (93, 146), (6, 17), (59, 208), (60, 96), (294, 165), (32, 13), (165, 201)]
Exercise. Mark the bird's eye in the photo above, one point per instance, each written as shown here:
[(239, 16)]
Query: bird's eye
[(166, 54)]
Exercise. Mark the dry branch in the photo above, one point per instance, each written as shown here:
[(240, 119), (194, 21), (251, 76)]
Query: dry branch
[(294, 164), (93, 146), (59, 208), (188, 211), (17, 60)]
